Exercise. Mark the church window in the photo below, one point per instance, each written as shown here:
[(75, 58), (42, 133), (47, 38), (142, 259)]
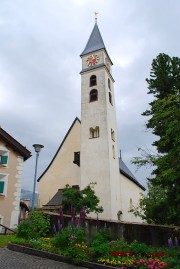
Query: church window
[(112, 135), (93, 81), (110, 98), (93, 95), (77, 158), (113, 151), (109, 84), (94, 132)]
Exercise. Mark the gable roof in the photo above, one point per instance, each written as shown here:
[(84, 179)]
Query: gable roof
[(95, 41), (11, 142), (76, 119), (126, 172)]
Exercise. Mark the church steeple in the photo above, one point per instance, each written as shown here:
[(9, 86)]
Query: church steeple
[(95, 42), (99, 154)]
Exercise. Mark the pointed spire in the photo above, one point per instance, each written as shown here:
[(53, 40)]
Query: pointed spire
[(95, 41)]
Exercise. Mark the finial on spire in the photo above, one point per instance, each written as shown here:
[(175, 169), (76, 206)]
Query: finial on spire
[(96, 13)]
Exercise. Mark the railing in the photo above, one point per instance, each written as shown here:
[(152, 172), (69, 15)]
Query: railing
[(5, 230)]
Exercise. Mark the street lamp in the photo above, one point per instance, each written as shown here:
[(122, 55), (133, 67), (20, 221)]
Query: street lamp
[(37, 148)]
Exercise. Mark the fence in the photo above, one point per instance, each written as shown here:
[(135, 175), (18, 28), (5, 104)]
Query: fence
[(154, 235)]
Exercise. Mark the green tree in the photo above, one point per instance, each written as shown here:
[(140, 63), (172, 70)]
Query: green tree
[(85, 199), (164, 121)]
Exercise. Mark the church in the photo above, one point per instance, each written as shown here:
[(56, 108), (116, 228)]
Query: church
[(89, 150)]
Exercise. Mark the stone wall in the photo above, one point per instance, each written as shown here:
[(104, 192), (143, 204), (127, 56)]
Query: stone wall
[(155, 235)]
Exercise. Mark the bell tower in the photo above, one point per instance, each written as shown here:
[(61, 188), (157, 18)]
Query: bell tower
[(99, 150)]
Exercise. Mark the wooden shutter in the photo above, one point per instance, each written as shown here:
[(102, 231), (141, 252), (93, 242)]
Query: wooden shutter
[(4, 159), (1, 186)]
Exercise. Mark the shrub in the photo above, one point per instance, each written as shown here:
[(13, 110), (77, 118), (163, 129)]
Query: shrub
[(36, 226), (99, 245), (140, 248), (78, 252), (119, 245), (25, 230), (69, 236)]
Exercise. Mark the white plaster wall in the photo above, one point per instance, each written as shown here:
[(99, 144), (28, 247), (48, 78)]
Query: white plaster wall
[(97, 162), (129, 191)]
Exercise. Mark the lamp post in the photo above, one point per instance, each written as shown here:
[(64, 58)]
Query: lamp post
[(37, 148)]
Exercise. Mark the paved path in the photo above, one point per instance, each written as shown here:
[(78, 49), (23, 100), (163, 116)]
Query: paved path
[(15, 260)]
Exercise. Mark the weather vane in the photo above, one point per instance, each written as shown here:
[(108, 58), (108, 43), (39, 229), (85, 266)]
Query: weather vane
[(96, 13)]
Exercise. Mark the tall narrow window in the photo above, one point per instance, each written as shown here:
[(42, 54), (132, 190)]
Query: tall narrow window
[(113, 151), (110, 98), (93, 81), (94, 132), (93, 96), (109, 84), (112, 135), (3, 184)]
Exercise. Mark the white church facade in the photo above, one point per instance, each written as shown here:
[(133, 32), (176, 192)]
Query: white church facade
[(89, 151)]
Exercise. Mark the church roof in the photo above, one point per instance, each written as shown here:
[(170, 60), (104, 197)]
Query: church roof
[(126, 172), (95, 41)]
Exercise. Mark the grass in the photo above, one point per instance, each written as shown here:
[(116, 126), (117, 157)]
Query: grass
[(4, 239)]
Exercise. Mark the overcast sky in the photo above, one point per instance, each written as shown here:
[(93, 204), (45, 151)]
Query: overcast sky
[(40, 44)]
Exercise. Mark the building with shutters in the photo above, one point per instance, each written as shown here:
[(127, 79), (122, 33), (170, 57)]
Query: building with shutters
[(12, 157)]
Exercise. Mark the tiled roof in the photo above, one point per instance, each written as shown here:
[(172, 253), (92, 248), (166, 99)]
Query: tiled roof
[(95, 41), (11, 142), (126, 172)]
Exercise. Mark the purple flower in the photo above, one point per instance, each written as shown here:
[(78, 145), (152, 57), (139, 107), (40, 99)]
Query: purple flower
[(176, 242), (54, 230), (170, 243), (59, 226)]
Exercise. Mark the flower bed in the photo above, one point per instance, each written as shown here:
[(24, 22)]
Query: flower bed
[(70, 244), (68, 248)]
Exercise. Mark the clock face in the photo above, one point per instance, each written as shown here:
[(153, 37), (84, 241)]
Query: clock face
[(92, 60)]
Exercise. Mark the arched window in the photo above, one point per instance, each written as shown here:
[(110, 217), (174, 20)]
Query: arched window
[(109, 84), (110, 98), (93, 96), (93, 81), (94, 132)]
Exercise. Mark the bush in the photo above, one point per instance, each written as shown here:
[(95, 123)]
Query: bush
[(78, 252), (69, 236), (119, 245), (99, 245), (140, 248), (36, 226)]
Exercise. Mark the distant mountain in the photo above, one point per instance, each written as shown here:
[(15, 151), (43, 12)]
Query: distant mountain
[(25, 194)]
